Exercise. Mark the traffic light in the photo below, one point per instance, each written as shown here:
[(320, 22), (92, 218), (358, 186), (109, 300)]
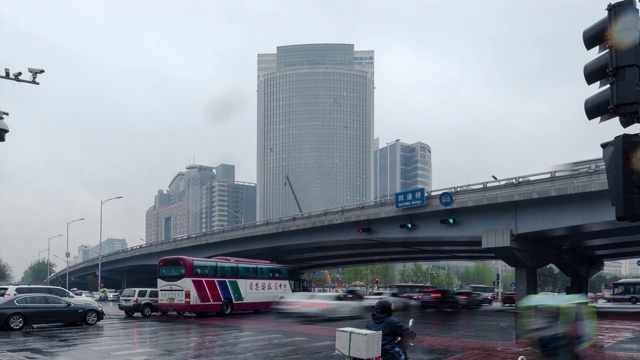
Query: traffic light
[(617, 36), (364, 230), (498, 277), (448, 221), (377, 281), (408, 226), (622, 162), (376, 286)]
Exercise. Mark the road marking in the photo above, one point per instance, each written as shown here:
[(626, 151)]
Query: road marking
[(132, 351)]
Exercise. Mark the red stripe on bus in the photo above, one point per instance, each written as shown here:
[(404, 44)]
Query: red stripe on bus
[(201, 291), (213, 290)]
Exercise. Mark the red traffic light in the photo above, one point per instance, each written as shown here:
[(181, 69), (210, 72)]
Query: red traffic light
[(377, 280)]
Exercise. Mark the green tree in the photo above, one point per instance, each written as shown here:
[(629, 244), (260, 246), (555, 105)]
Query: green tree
[(367, 274), (552, 279), (447, 279), (480, 273), (36, 272), (5, 272), (415, 274)]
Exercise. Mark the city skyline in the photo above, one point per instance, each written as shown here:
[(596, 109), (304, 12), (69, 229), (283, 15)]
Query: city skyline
[(132, 92)]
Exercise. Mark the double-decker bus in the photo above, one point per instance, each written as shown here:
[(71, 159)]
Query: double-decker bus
[(607, 291), (222, 284), (411, 291), (626, 290)]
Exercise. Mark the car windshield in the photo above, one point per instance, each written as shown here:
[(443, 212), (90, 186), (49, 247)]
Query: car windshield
[(128, 293)]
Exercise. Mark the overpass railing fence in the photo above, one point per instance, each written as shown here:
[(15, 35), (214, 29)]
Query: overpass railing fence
[(591, 166)]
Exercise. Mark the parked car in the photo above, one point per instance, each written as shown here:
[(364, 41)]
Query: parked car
[(321, 305), (470, 299), (36, 309), (399, 302), (139, 300), (508, 298), (13, 290), (439, 299)]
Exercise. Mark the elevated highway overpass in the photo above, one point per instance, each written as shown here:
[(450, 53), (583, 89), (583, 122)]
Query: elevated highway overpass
[(562, 217)]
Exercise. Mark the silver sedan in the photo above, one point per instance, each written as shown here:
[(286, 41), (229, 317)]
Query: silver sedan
[(321, 305)]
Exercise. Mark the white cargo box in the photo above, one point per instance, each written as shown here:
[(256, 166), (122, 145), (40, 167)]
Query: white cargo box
[(359, 343)]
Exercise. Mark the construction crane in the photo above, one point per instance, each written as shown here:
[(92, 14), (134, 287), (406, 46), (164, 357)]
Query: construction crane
[(292, 191)]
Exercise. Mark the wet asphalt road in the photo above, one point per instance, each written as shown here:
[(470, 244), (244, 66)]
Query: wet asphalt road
[(486, 333)]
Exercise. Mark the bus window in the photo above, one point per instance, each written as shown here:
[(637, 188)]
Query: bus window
[(227, 270), (203, 269), (264, 272), (618, 290), (279, 272), (246, 271)]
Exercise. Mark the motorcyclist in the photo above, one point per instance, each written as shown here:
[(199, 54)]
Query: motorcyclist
[(391, 328)]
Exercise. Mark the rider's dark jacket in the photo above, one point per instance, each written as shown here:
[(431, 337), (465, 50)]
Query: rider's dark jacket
[(391, 328)]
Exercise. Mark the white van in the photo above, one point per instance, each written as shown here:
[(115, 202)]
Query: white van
[(12, 290)]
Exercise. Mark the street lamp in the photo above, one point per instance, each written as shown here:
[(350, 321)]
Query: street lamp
[(48, 257), (40, 252), (102, 202), (67, 253), (241, 217), (389, 167)]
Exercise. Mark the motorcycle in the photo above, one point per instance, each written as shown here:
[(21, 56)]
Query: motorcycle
[(401, 347)]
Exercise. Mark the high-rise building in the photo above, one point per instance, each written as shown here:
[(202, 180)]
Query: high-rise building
[(315, 125), (200, 199), (401, 167), (109, 245)]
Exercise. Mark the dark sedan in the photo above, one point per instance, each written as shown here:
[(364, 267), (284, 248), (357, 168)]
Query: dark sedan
[(439, 299), (39, 309), (508, 298)]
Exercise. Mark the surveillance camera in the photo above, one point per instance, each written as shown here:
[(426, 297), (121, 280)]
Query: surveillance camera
[(4, 129), (6, 72), (17, 74), (35, 71)]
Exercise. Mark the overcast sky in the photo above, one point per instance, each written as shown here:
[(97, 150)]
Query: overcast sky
[(136, 90)]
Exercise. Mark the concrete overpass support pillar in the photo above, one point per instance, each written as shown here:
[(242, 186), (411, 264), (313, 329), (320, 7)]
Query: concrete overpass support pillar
[(526, 281), (525, 257), (579, 270)]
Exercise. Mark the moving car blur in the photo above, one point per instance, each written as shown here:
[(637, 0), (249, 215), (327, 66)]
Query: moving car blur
[(508, 298), (468, 298), (37, 309), (322, 305), (399, 302), (440, 299)]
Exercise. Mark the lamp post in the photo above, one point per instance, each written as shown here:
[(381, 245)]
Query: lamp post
[(49, 257), (389, 167), (241, 217), (102, 202), (67, 253)]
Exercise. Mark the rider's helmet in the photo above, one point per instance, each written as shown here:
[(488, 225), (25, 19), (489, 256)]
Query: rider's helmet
[(384, 307)]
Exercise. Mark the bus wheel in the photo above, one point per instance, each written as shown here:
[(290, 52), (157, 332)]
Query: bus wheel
[(633, 300), (227, 308)]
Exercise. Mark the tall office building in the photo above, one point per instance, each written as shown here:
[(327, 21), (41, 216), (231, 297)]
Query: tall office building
[(315, 125), (401, 167), (200, 199), (109, 245)]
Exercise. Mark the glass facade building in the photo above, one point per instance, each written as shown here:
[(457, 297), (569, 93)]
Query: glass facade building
[(401, 167), (315, 124), (200, 199)]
